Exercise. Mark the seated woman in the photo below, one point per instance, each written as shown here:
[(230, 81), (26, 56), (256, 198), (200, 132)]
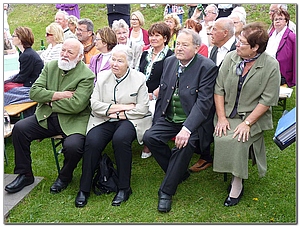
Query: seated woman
[(151, 63), (105, 41), (16, 89), (246, 87), (197, 27), (120, 113), (55, 38)]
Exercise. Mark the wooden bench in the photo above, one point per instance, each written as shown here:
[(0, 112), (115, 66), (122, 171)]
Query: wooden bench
[(18, 109)]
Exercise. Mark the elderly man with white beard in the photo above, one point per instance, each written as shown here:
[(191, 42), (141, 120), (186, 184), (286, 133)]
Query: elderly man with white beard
[(62, 91)]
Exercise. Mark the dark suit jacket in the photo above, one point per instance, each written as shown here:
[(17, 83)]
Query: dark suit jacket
[(157, 69), (196, 90), (214, 51), (31, 66)]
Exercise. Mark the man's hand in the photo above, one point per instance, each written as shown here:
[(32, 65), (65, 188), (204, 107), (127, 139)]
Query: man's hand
[(62, 95), (182, 139)]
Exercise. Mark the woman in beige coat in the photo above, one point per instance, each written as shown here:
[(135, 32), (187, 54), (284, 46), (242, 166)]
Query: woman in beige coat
[(120, 113), (246, 87)]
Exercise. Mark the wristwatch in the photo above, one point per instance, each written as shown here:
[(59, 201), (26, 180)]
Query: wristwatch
[(247, 123), (118, 115)]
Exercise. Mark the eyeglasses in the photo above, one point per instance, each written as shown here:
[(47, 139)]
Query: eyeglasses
[(278, 19), (206, 12), (48, 34), (14, 36), (134, 19), (240, 43), (80, 30), (272, 11), (98, 39)]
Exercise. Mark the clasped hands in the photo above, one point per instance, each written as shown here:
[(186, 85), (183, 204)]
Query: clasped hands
[(117, 111), (242, 130)]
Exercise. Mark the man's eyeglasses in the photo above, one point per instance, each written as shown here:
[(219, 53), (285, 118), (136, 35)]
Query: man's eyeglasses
[(208, 11), (80, 30), (48, 34), (98, 39), (236, 22)]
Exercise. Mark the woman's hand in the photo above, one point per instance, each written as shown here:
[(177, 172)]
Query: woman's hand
[(222, 127), (243, 132)]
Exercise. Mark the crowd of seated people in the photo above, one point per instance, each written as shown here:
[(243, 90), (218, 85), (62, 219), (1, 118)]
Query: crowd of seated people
[(166, 82)]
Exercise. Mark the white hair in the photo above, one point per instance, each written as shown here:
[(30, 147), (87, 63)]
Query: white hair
[(126, 50)]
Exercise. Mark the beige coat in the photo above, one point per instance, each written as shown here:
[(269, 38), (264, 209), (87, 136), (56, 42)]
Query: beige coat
[(131, 89)]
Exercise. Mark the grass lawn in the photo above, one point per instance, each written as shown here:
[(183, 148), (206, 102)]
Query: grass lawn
[(271, 199)]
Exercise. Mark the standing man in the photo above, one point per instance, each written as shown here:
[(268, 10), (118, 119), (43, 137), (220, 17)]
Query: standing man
[(85, 34), (223, 39), (63, 92), (117, 12), (61, 17), (183, 106)]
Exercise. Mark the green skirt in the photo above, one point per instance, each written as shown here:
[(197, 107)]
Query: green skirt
[(231, 156)]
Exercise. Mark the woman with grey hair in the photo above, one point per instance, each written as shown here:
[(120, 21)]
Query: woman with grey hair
[(120, 113), (121, 28)]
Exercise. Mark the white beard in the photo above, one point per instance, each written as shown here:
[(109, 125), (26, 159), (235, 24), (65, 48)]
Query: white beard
[(67, 65)]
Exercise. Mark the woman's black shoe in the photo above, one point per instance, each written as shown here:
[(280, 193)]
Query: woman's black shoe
[(229, 201)]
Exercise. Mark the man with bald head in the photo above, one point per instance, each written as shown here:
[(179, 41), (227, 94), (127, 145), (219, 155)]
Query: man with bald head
[(62, 91)]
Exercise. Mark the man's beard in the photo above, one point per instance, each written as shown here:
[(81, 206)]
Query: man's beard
[(67, 65)]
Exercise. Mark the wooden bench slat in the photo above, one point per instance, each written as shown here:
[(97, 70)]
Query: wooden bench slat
[(15, 109)]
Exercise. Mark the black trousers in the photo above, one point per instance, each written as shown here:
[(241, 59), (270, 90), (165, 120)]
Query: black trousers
[(174, 162), (28, 129), (122, 134)]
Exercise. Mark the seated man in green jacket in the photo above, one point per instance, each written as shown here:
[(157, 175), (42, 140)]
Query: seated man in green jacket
[(62, 91)]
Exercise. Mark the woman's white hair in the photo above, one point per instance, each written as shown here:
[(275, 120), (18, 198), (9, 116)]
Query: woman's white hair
[(126, 50)]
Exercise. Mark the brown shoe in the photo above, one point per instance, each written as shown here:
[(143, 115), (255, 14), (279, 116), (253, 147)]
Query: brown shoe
[(200, 165)]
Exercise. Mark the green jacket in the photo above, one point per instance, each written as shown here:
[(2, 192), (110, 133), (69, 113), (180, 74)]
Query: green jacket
[(73, 113), (260, 86)]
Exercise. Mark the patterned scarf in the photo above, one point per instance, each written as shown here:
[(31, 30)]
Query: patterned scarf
[(160, 56), (240, 66)]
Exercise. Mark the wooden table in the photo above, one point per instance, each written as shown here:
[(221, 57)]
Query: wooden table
[(18, 109)]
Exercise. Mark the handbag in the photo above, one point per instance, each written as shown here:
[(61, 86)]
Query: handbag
[(106, 177)]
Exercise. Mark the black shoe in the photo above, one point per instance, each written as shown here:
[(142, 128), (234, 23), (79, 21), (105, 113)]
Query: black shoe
[(229, 201), (19, 183), (121, 196), (164, 202), (58, 186), (81, 199)]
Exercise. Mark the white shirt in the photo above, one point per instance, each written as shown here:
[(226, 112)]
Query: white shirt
[(223, 50), (274, 41)]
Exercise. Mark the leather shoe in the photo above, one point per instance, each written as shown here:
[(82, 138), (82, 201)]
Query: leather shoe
[(229, 201), (81, 199), (58, 186), (121, 196), (164, 202), (19, 183), (201, 164)]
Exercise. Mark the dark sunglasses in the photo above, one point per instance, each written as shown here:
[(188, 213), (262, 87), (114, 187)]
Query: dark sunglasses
[(48, 34)]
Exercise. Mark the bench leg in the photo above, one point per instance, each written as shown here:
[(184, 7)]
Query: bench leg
[(5, 154), (55, 152)]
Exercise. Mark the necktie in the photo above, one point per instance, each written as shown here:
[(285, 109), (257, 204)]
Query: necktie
[(240, 66)]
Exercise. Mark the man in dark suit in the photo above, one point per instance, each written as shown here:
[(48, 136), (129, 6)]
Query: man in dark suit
[(117, 12), (183, 106), (223, 39)]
